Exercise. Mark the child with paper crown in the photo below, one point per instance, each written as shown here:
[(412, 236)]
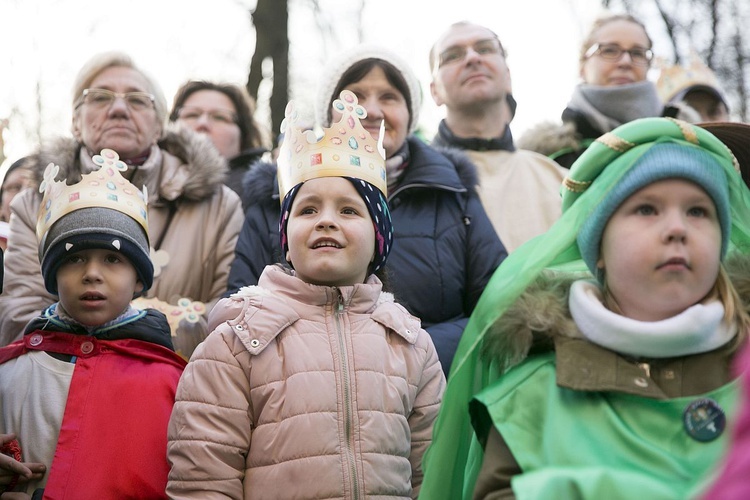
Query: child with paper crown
[(617, 385), (89, 389), (314, 383)]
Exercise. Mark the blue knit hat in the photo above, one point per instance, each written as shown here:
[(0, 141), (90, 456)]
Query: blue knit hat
[(662, 161)]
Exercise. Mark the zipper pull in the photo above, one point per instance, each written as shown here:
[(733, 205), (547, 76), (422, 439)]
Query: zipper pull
[(339, 300), (646, 368)]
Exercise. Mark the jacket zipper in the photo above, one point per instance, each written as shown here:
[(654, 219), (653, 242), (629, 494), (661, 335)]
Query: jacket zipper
[(346, 385)]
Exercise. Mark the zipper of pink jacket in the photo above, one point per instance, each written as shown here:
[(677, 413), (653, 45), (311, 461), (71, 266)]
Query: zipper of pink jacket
[(338, 308)]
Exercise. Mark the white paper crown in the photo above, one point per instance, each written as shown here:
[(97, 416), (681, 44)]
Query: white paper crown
[(345, 150), (675, 79), (103, 188)]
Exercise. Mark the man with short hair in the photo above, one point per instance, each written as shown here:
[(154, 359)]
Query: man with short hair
[(519, 189)]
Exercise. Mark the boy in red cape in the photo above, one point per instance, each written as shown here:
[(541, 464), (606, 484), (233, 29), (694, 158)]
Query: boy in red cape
[(89, 389)]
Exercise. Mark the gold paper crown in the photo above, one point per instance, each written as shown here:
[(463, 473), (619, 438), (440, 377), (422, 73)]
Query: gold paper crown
[(345, 150), (104, 188), (674, 79)]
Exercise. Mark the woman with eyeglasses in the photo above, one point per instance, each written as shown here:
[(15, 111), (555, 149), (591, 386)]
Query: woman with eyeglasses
[(193, 218), (613, 62), (444, 247), (223, 112)]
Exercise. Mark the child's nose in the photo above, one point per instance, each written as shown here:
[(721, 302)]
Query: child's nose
[(92, 272), (326, 220), (676, 228)]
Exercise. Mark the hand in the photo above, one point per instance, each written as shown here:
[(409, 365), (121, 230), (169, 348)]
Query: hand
[(10, 467), (15, 496)]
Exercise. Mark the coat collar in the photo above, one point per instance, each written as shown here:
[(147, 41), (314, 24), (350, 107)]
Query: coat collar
[(281, 299), (185, 165), (541, 315)]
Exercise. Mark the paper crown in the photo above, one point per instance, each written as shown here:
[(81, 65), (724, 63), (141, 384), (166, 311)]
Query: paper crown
[(346, 149), (103, 188), (675, 80)]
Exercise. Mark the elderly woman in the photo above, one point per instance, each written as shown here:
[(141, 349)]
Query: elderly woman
[(613, 62), (444, 249), (223, 112), (193, 218)]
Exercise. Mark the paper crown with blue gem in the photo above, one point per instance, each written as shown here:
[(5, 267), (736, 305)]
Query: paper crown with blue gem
[(345, 150), (103, 210), (102, 188)]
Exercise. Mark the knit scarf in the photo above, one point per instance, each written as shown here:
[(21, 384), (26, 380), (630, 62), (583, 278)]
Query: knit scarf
[(699, 328), (62, 315), (396, 165), (606, 108)]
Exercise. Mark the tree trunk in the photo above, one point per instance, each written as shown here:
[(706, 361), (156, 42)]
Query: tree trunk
[(271, 18)]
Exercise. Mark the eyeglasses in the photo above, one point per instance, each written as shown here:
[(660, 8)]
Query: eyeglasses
[(219, 116), (458, 53), (103, 98), (613, 52)]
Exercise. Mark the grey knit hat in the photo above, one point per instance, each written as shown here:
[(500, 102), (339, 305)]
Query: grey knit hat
[(95, 227), (662, 161), (333, 72)]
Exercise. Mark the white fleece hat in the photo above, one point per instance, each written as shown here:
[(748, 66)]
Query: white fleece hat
[(338, 65)]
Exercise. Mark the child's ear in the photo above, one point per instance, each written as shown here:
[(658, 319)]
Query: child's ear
[(287, 257), (600, 263), (138, 288)]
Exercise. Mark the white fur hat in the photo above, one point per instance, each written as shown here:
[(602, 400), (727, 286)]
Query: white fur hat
[(332, 73)]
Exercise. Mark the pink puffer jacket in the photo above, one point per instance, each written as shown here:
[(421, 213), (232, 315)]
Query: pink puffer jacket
[(305, 391)]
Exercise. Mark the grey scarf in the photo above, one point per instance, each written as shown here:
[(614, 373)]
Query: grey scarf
[(606, 108)]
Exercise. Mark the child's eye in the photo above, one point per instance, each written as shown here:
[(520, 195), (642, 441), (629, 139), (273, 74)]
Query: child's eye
[(73, 259), (112, 259), (307, 211), (349, 211), (698, 212), (645, 210)]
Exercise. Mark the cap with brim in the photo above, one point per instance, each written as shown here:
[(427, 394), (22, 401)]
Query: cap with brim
[(679, 96)]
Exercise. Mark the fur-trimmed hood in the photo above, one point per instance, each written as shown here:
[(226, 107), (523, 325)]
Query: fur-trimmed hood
[(198, 166), (550, 137), (260, 185), (541, 314)]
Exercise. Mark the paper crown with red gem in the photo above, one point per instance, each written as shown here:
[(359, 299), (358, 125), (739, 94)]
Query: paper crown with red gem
[(345, 150), (675, 81), (102, 188)]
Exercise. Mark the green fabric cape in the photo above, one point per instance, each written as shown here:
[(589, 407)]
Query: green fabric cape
[(454, 458)]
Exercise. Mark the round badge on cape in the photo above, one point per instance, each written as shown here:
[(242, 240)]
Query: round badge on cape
[(704, 420)]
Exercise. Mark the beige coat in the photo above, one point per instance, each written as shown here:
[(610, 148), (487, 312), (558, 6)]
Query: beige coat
[(520, 190), (305, 391), (184, 171)]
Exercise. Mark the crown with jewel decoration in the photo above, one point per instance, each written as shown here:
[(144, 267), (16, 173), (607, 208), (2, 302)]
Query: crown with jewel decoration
[(102, 188), (345, 150), (675, 80)]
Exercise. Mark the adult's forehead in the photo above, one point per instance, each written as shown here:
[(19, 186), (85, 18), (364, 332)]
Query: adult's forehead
[(461, 32)]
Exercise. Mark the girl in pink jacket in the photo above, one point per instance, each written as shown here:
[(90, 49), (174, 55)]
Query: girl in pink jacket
[(315, 383)]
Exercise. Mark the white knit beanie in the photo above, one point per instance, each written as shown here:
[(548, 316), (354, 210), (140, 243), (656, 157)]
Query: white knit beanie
[(332, 73)]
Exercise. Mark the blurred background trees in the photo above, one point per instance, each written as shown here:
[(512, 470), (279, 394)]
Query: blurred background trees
[(260, 43), (714, 29)]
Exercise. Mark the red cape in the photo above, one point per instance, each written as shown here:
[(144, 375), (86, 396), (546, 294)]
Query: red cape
[(113, 439)]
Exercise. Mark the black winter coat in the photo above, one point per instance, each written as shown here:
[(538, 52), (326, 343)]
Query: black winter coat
[(444, 252)]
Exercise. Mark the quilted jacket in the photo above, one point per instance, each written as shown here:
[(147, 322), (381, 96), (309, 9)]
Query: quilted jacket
[(305, 391)]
